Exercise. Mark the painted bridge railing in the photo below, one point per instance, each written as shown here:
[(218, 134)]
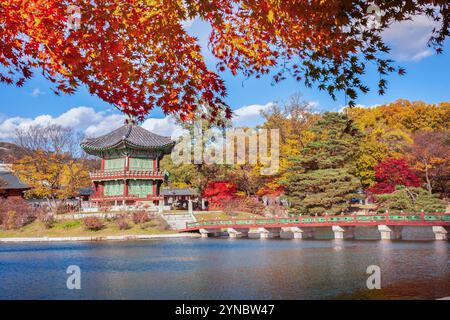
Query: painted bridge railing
[(327, 220)]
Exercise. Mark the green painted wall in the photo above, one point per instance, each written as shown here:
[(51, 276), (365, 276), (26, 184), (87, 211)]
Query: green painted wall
[(140, 188), (114, 188), (141, 164), (115, 164)]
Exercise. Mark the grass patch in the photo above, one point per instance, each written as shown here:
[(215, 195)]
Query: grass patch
[(75, 228), (66, 225)]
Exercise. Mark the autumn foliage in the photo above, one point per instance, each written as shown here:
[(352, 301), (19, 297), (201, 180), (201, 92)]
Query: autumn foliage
[(136, 55), (52, 176), (392, 173), (93, 223), (218, 193), (16, 213), (329, 161), (140, 217), (430, 152)]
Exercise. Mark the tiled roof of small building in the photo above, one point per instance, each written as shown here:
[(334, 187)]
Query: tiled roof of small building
[(9, 181), (178, 192), (131, 135), (85, 191)]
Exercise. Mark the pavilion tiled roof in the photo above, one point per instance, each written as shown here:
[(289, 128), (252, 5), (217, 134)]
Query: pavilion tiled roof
[(130, 135), (9, 181), (178, 192)]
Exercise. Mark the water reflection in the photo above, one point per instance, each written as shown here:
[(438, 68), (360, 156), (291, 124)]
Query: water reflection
[(224, 269)]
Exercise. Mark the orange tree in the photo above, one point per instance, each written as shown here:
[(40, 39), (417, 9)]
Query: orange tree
[(136, 55)]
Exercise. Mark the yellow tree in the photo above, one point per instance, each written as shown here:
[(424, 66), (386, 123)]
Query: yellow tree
[(389, 129), (293, 121), (54, 177)]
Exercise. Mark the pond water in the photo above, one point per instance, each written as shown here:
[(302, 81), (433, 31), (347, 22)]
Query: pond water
[(221, 268)]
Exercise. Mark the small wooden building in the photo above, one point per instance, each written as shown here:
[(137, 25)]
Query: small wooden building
[(10, 185), (178, 198)]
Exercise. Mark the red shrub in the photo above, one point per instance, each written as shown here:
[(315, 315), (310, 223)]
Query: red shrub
[(94, 223), (16, 213), (140, 217), (123, 224)]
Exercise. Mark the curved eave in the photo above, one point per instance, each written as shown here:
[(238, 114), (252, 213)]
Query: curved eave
[(166, 148)]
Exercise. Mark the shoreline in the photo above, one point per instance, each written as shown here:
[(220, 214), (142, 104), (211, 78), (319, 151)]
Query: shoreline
[(100, 238)]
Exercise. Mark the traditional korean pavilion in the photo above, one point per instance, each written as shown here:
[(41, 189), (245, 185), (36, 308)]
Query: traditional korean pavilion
[(130, 171)]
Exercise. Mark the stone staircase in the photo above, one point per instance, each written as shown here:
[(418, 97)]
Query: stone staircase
[(178, 221)]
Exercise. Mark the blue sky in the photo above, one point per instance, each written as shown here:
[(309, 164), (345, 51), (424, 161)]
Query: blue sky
[(427, 79)]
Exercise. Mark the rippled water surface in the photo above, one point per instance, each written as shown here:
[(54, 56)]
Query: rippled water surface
[(226, 269)]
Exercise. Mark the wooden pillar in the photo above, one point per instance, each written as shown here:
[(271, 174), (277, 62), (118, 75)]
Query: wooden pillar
[(95, 188), (154, 187), (125, 188), (155, 165), (103, 165)]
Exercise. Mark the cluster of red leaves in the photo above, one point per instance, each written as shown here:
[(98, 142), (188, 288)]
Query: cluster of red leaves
[(133, 54), (136, 55), (391, 173), (218, 193)]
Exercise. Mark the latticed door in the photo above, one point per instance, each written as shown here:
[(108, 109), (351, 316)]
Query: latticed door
[(141, 164), (140, 188), (114, 188), (115, 164)]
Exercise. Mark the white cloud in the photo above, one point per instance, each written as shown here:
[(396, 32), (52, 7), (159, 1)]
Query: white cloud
[(362, 106), (82, 119), (164, 127), (95, 123), (314, 104), (246, 116), (250, 116), (408, 39), (36, 92), (105, 125)]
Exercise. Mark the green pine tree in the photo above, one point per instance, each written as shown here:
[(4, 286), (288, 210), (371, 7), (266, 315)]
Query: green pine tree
[(410, 200), (322, 178)]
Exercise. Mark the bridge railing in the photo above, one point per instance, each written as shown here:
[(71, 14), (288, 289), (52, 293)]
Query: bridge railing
[(326, 219)]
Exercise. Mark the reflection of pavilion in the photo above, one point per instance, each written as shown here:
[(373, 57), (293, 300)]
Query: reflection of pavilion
[(130, 171)]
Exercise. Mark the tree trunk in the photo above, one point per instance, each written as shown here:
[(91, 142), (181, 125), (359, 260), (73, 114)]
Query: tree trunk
[(427, 178)]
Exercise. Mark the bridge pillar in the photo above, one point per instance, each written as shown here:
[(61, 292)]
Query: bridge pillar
[(265, 233), (237, 233), (302, 233), (390, 232), (343, 232), (204, 233), (440, 233)]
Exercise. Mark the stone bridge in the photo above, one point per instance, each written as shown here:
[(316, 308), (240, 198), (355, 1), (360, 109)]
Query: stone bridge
[(389, 225)]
